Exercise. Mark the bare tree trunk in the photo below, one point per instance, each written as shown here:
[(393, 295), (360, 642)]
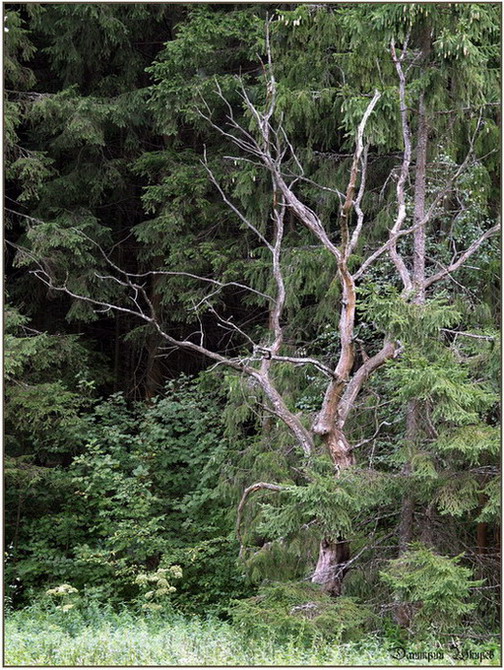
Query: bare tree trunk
[(482, 529), (332, 565), (18, 520), (427, 536), (418, 276), (334, 553), (153, 371), (419, 211)]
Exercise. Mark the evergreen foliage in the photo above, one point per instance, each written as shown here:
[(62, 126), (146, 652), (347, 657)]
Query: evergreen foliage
[(289, 610), (126, 458), (437, 588)]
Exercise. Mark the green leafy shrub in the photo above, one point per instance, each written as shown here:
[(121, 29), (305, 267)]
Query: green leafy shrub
[(212, 576), (66, 594), (159, 588), (145, 490)]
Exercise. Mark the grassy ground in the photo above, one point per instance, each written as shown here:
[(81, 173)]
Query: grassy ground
[(51, 639)]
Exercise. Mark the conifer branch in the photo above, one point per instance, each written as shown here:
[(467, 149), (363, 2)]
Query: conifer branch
[(233, 207), (396, 232), (303, 437), (408, 231), (370, 439), (250, 489), (147, 273)]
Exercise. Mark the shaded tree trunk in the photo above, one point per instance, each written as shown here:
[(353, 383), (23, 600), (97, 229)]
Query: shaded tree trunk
[(418, 276), (334, 553), (331, 565), (482, 538), (405, 531), (117, 353), (153, 371), (482, 529)]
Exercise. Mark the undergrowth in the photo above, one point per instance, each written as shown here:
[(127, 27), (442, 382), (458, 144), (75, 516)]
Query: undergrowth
[(103, 637)]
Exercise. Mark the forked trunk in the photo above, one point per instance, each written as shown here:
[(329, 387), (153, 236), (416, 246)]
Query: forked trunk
[(339, 449)]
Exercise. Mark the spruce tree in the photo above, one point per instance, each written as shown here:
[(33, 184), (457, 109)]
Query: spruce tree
[(313, 200)]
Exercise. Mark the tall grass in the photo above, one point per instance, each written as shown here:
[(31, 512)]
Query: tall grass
[(34, 637)]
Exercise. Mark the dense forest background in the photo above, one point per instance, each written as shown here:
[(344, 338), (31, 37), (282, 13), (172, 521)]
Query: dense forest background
[(131, 186)]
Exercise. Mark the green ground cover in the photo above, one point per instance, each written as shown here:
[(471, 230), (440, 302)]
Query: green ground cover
[(36, 638)]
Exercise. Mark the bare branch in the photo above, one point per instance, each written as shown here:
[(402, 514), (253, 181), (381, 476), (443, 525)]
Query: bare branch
[(316, 184), (464, 334), (191, 275), (293, 153), (306, 215), (359, 147), (277, 309), (393, 238), (389, 350), (45, 278), (463, 257), (396, 231), (370, 439), (324, 423), (303, 437), (358, 202), (304, 361), (235, 209), (148, 273), (249, 144), (401, 182)]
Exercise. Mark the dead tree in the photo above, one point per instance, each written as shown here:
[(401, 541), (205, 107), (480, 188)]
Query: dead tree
[(270, 147)]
